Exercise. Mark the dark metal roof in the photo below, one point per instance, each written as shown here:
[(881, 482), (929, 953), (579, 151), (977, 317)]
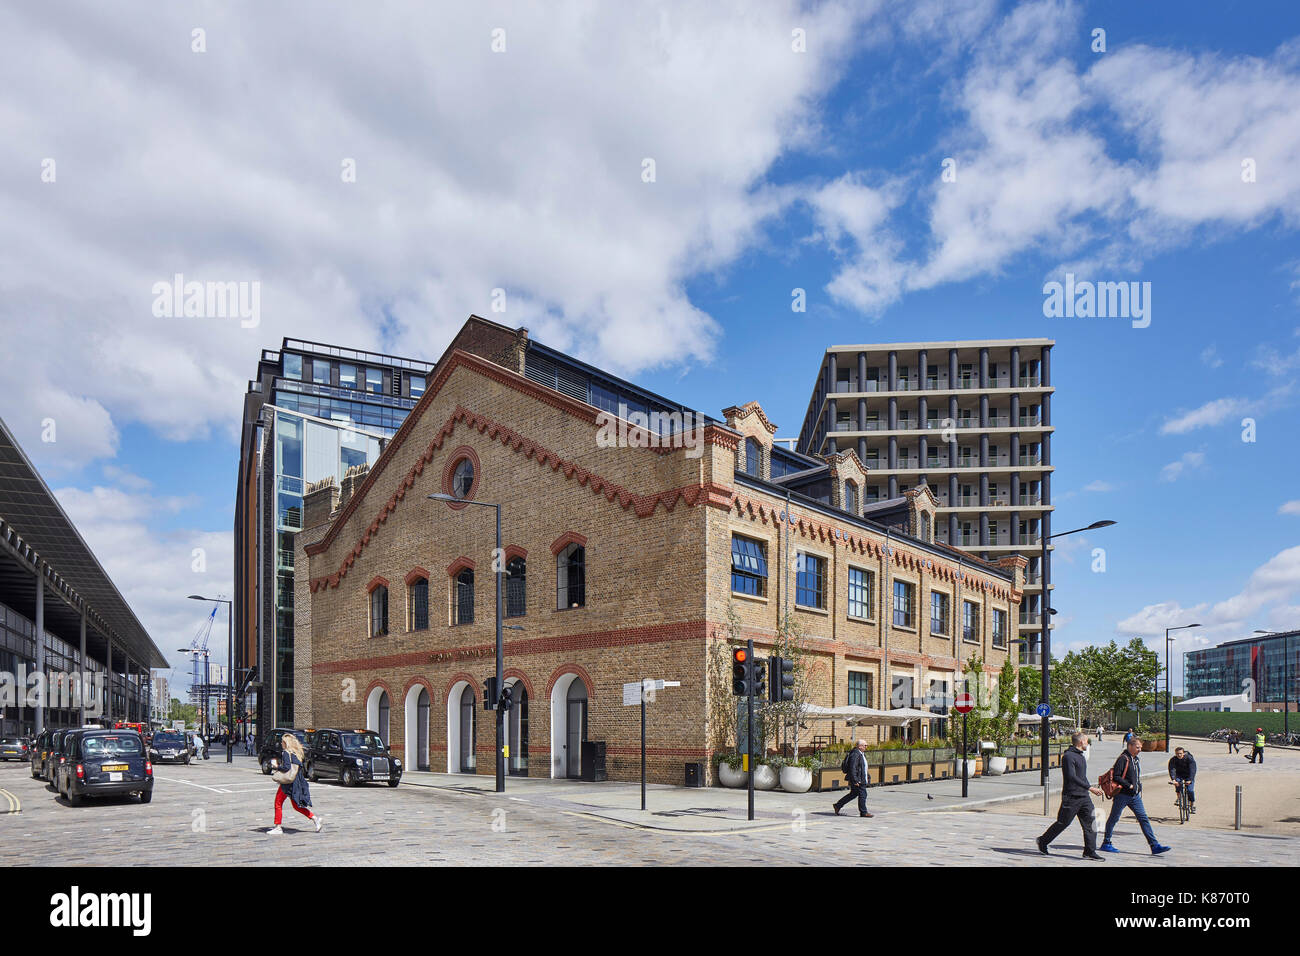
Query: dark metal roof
[(28, 507)]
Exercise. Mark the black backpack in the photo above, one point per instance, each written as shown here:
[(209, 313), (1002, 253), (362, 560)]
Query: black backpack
[(844, 766)]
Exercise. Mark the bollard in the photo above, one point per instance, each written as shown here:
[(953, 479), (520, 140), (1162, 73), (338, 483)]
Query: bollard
[(1238, 826), (1047, 806)]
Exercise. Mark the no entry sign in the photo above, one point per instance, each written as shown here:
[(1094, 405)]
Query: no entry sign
[(964, 704)]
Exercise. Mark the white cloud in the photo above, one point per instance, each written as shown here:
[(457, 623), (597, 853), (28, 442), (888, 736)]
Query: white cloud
[(1210, 357), (476, 170), (1099, 486), (1269, 586), (1223, 409), (1290, 508), (1175, 469)]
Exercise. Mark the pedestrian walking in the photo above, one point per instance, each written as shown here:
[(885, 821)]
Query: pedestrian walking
[(1127, 774), (1233, 737), (293, 784), (855, 774), (1076, 799), (1101, 732), (1258, 750)]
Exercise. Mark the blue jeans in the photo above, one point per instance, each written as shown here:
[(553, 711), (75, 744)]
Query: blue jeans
[(1134, 800), (1191, 789)]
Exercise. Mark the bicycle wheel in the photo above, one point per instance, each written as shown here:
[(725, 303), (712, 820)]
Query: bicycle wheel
[(1184, 807)]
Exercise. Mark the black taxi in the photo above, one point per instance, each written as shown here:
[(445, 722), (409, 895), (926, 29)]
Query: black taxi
[(351, 757), (105, 763)]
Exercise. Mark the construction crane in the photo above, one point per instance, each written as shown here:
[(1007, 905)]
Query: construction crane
[(199, 648)]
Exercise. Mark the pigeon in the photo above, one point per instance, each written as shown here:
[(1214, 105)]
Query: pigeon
[(928, 797)]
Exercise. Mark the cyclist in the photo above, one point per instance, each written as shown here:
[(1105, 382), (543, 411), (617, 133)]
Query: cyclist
[(1182, 770)]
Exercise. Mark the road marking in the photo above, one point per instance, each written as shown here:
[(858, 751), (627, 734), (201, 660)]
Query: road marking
[(189, 783), (12, 801)]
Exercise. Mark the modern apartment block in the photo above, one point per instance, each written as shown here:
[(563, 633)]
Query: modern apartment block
[(313, 411), (970, 419), (1266, 667)]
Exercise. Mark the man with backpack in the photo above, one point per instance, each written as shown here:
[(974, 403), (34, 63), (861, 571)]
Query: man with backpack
[(1127, 777), (854, 769)]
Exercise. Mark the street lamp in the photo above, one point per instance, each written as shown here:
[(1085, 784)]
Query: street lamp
[(1286, 679), (1169, 690), (500, 571), (230, 674), (1047, 639)]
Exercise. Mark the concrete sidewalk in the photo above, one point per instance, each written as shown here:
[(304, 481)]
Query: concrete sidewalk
[(723, 810)]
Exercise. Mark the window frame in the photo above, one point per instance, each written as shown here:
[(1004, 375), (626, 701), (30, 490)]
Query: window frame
[(412, 606), (910, 588), (868, 587), (759, 575), (819, 592), (945, 631), (459, 602), (522, 578), (378, 613), (567, 554)]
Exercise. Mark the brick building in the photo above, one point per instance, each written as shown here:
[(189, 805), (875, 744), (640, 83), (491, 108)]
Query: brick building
[(624, 552)]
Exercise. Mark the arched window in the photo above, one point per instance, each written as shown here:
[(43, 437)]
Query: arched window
[(753, 458), (382, 729), (571, 577), (925, 526), (419, 604), (379, 611), (850, 497), (516, 587), (463, 608), (518, 731), (468, 730)]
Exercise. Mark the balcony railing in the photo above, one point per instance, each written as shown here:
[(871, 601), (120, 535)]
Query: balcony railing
[(1000, 421), (1028, 381), (1030, 460), (1030, 422)]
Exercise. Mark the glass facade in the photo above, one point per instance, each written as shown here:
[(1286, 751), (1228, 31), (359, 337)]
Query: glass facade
[(1268, 667)]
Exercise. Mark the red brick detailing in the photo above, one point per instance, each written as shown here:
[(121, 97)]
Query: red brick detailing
[(626, 637), (370, 688), (462, 676), (741, 412), (459, 565), (454, 458), (523, 679), (415, 575), (643, 506), (571, 669), (514, 551), (566, 539), (422, 681), (375, 582)]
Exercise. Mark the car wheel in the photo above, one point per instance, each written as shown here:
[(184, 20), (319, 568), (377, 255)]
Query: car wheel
[(187, 759), (266, 767), (311, 772), (146, 796), (349, 777), (394, 781), (74, 799)]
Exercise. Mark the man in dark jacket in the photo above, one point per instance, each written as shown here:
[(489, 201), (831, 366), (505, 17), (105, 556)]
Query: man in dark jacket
[(1075, 800), (857, 780), (1127, 774), (1182, 767)]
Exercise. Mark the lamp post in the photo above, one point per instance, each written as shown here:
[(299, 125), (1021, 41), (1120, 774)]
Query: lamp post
[(1169, 690), (1286, 680), (1046, 642), (499, 563), (230, 672)]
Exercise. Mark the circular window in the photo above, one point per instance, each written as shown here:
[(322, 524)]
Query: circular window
[(462, 479)]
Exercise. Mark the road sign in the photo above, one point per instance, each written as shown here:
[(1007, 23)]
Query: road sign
[(964, 704), (632, 692), (1044, 710)]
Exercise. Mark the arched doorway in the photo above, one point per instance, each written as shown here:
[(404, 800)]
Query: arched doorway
[(568, 726), (417, 710), (468, 728), (517, 730), (460, 725), (377, 712)]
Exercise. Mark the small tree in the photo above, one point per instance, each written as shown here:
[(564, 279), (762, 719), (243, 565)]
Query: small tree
[(1008, 711), (791, 643)]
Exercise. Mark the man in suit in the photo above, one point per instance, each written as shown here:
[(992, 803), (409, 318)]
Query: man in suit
[(1075, 800), (857, 780)]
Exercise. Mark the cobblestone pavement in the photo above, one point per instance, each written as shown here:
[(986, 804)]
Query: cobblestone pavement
[(213, 814)]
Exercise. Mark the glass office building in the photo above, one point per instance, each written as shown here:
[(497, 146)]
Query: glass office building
[(313, 412), (1267, 665)]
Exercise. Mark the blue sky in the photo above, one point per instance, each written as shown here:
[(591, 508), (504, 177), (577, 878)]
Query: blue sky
[(775, 169)]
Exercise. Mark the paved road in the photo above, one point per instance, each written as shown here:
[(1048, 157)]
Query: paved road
[(211, 813)]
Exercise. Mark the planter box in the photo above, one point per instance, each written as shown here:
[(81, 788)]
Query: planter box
[(765, 777), (731, 778), (920, 771), (894, 772), (995, 766), (1157, 746), (829, 778), (796, 780)]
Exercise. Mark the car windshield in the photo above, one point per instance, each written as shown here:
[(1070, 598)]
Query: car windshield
[(10, 740), (167, 740), (367, 743), (111, 746)]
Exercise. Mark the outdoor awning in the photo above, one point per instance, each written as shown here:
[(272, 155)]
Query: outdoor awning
[(1035, 719)]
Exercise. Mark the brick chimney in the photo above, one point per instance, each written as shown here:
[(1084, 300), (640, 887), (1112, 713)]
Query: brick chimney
[(320, 502), (353, 479)]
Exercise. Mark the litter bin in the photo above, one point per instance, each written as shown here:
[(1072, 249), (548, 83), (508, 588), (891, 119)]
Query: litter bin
[(593, 761), (695, 775)]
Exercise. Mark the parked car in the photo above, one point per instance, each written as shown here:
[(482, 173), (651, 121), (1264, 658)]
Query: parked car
[(53, 755), (13, 748), (269, 750), (169, 746), (105, 763), (38, 751), (352, 757)]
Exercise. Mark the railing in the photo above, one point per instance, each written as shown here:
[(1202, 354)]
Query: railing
[(1030, 620), (1030, 460), (1030, 500), (875, 425), (1027, 422), (967, 501), (966, 540), (1028, 381), (905, 462), (1001, 421)]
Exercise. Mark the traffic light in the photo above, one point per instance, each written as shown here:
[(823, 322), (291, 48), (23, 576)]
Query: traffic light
[(490, 693), (758, 668), (740, 671), (781, 684), (507, 697)]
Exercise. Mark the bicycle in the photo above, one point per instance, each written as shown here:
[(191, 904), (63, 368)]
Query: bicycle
[(1182, 800)]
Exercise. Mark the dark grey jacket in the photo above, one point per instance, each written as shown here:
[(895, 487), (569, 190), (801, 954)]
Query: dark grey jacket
[(857, 768), (1074, 774)]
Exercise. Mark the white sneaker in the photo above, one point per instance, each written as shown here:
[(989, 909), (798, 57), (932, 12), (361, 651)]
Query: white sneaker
[(274, 831), (316, 820)]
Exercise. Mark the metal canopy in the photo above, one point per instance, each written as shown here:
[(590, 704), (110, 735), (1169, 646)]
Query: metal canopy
[(36, 528)]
